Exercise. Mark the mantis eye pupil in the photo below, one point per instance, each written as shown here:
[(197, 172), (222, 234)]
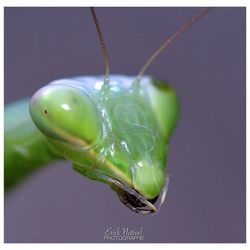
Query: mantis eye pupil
[(45, 112)]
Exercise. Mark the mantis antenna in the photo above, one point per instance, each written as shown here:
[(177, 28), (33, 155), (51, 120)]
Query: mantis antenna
[(169, 40), (104, 49)]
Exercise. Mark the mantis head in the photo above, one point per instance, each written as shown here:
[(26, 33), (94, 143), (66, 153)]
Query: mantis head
[(116, 132), (117, 135)]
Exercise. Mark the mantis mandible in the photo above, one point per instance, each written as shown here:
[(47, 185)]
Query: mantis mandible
[(114, 128)]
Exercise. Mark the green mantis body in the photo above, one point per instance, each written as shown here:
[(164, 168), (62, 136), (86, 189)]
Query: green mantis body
[(117, 133), (114, 128), (25, 147)]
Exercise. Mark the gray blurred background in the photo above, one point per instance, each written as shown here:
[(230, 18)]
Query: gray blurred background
[(206, 66)]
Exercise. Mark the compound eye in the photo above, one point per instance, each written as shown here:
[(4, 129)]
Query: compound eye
[(67, 114)]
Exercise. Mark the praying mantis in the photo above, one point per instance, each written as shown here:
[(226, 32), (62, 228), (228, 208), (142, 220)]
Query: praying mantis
[(114, 128)]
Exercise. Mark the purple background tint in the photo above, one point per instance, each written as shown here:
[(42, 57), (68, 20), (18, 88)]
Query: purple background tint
[(206, 65)]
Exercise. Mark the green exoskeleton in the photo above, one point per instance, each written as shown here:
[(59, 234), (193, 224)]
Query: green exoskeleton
[(114, 128)]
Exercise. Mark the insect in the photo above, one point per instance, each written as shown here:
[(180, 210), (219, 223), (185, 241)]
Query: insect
[(114, 128)]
